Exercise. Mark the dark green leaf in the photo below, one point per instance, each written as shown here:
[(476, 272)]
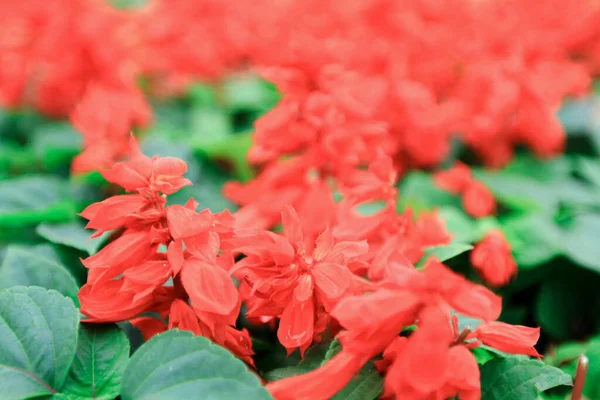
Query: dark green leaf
[(71, 234), (518, 378), (368, 385), (30, 266), (102, 354), (33, 199), (38, 338), (179, 365)]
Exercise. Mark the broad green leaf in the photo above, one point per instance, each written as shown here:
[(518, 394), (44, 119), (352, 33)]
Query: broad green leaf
[(444, 253), (520, 192), (38, 339), (249, 92), (55, 144), (179, 365), (482, 355), (517, 378), (71, 234), (333, 349), (28, 266), (101, 358), (580, 241), (590, 169), (535, 239), (461, 226), (314, 357), (231, 149), (418, 192), (368, 385), (29, 200), (540, 170)]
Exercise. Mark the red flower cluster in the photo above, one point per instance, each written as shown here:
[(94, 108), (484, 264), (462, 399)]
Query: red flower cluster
[(337, 267), (477, 199), (372, 324), (167, 259), (380, 75)]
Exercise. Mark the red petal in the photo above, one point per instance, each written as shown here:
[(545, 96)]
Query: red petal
[(291, 226), (210, 288), (184, 222), (296, 327), (175, 256), (149, 326), (332, 280)]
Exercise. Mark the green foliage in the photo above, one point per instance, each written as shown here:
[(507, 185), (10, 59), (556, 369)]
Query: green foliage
[(31, 199), (178, 365), (101, 358), (71, 234), (367, 385), (443, 253), (31, 266), (38, 339), (517, 378)]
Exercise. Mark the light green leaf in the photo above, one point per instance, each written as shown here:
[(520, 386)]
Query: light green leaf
[(461, 226), (580, 241), (38, 338), (418, 192), (29, 266), (444, 253), (101, 358), (535, 239), (29, 200), (71, 234), (179, 365), (518, 378)]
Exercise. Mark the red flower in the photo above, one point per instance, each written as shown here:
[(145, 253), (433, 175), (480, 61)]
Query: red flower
[(478, 200), (296, 286), (513, 339), (493, 259), (454, 180)]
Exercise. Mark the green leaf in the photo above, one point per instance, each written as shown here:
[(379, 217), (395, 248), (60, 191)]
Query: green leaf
[(520, 192), (38, 338), (101, 358), (580, 241), (444, 253), (482, 355), (313, 358), (333, 349), (517, 378), (28, 266), (590, 169), (540, 170), (179, 365), (249, 92), (55, 144), (535, 239), (71, 234), (368, 385), (29, 200), (418, 192), (459, 224)]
